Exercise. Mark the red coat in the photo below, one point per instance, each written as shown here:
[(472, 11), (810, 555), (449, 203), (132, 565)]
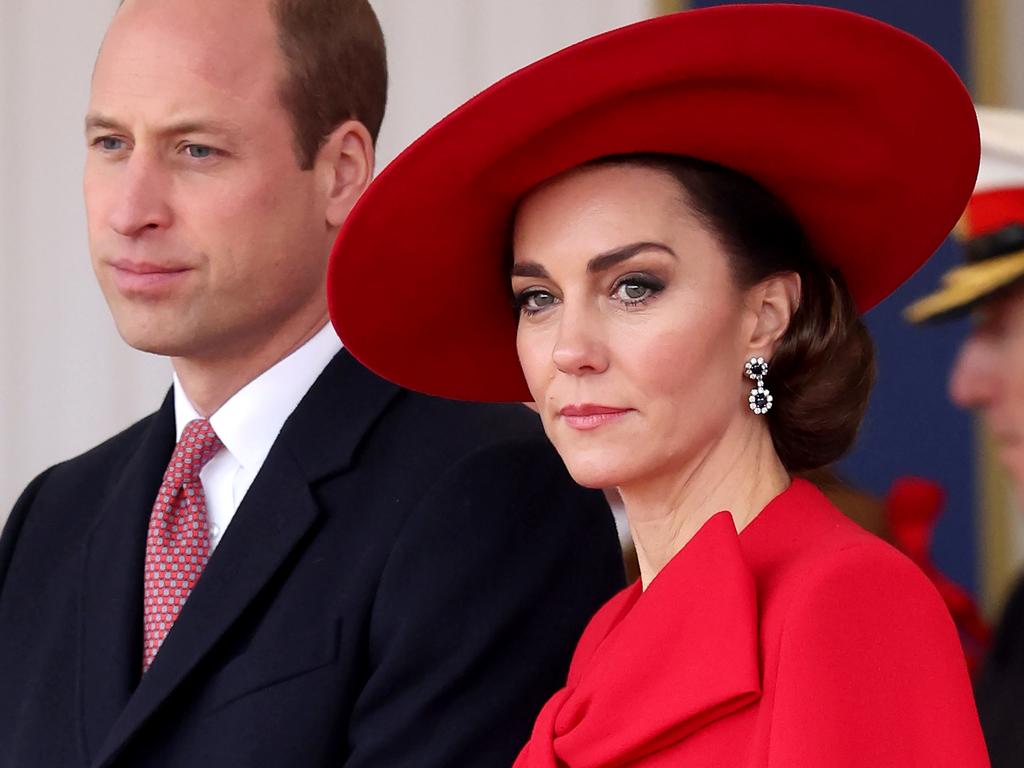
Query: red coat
[(802, 641)]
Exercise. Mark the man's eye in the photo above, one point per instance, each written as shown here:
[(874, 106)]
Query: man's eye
[(199, 151), (111, 143)]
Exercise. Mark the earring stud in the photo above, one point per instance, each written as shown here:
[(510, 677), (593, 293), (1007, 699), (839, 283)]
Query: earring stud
[(760, 400), (756, 368)]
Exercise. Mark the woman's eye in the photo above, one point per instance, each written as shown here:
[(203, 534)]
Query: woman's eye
[(636, 289), (633, 292), (531, 302)]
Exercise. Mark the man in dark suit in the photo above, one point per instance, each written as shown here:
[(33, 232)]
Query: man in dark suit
[(292, 562)]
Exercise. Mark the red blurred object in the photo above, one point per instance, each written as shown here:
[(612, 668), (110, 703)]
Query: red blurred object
[(912, 508), (992, 209)]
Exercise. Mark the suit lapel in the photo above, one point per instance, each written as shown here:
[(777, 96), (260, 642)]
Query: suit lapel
[(320, 438), (110, 615)]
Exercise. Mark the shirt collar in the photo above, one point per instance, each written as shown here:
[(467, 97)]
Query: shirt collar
[(249, 422)]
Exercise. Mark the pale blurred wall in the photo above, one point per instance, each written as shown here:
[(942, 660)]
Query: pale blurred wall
[(443, 51), (1006, 17), (66, 379)]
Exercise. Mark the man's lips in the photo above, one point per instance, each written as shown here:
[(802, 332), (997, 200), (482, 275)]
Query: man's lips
[(586, 416), (141, 277)]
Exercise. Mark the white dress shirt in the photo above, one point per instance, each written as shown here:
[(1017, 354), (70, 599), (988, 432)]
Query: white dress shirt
[(249, 423)]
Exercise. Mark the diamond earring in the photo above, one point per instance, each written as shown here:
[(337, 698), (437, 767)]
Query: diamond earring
[(760, 400)]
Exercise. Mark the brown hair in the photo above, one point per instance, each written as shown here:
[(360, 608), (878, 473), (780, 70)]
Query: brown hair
[(336, 68), (822, 372)]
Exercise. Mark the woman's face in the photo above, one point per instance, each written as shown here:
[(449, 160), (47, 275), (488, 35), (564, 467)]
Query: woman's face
[(632, 331)]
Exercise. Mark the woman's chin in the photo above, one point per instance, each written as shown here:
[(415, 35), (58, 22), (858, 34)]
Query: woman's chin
[(591, 473)]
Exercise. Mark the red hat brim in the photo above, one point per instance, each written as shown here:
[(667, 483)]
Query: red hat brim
[(864, 131)]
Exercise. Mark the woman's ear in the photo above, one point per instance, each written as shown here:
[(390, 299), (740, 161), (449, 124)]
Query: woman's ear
[(344, 166), (773, 301)]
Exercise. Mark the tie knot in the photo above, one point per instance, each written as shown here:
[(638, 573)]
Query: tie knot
[(197, 445)]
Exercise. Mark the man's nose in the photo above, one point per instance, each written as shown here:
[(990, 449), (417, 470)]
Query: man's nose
[(973, 381), (580, 348), (140, 204)]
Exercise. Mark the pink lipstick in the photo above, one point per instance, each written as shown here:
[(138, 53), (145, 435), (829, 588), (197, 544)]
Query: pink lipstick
[(586, 416)]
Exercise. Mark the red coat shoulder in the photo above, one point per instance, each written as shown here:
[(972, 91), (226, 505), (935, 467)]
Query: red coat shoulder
[(868, 666)]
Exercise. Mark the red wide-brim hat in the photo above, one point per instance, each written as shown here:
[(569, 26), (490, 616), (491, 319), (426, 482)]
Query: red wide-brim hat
[(865, 132)]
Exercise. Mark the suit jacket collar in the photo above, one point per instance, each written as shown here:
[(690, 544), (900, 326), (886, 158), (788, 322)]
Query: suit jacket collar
[(250, 421), (320, 438), (675, 658)]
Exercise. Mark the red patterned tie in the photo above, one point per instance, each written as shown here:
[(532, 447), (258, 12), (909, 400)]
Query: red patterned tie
[(178, 543)]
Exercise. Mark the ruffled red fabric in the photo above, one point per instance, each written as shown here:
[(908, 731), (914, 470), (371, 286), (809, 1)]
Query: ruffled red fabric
[(655, 665), (804, 642)]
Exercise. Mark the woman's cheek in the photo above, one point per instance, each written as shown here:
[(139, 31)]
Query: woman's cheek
[(534, 360), (660, 359)]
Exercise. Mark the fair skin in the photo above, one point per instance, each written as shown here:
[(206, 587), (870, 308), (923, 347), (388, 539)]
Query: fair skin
[(632, 337), (989, 377), (209, 242)]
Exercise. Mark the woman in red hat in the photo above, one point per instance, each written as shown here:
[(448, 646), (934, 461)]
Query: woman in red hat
[(663, 237)]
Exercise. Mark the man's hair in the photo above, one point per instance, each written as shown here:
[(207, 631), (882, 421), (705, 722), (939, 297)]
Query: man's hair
[(335, 68)]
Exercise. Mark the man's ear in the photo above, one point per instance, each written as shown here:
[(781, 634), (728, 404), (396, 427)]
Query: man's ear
[(773, 301), (344, 165)]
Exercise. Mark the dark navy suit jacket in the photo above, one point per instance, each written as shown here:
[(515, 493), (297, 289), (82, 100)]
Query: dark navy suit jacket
[(999, 689), (402, 585)]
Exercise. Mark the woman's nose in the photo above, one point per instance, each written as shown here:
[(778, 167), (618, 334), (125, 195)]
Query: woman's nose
[(580, 348)]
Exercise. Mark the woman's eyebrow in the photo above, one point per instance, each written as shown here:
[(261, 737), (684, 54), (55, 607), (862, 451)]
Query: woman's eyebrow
[(528, 269), (599, 263), (611, 258)]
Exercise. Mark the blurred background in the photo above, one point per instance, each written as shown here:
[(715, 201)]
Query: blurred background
[(67, 381)]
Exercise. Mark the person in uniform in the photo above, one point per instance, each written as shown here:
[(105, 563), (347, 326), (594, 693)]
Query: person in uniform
[(988, 377)]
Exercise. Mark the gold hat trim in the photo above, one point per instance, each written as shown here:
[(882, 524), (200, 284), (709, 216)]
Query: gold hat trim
[(967, 283)]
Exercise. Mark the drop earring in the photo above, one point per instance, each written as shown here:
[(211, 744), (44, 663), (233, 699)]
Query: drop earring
[(760, 400)]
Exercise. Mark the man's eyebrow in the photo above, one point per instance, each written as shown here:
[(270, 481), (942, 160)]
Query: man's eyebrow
[(610, 258), (98, 121), (201, 126)]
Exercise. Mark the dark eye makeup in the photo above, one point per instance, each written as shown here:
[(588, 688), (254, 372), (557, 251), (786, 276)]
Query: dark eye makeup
[(533, 300), (631, 290), (637, 288)]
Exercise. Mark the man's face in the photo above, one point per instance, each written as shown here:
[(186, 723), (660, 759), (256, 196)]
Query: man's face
[(989, 377), (205, 235)]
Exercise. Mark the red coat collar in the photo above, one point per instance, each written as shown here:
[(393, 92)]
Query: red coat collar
[(675, 657)]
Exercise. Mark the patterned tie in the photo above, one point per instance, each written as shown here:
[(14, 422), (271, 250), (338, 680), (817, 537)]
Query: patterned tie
[(178, 542)]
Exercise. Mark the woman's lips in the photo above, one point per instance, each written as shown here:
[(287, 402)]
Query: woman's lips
[(587, 416)]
